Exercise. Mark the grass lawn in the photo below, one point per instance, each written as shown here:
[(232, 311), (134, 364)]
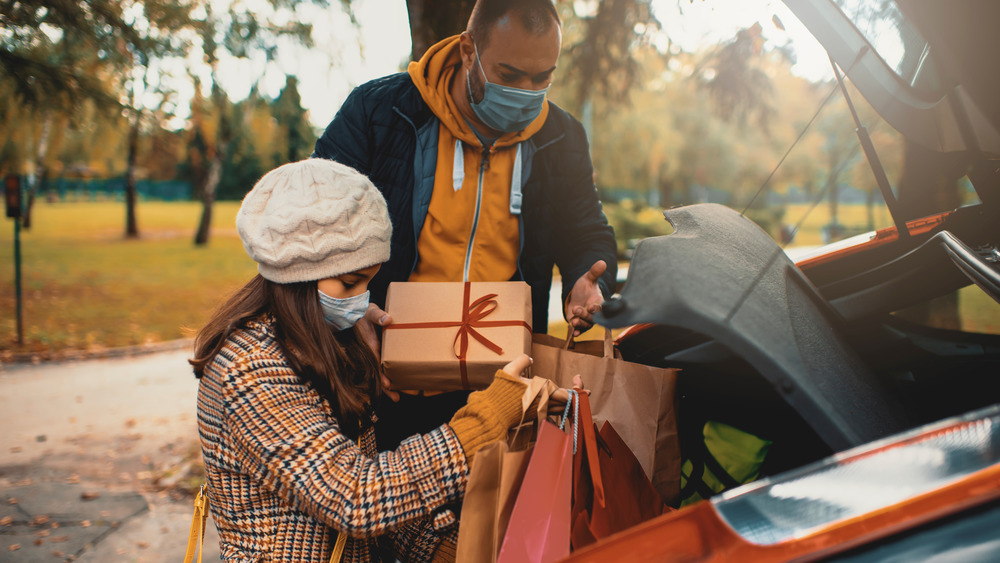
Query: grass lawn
[(87, 288)]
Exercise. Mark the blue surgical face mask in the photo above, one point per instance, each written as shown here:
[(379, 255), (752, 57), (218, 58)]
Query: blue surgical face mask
[(343, 313), (504, 108)]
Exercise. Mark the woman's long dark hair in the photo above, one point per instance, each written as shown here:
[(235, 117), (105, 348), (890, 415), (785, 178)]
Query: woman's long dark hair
[(340, 364)]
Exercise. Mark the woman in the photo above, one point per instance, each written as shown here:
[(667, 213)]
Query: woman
[(287, 383)]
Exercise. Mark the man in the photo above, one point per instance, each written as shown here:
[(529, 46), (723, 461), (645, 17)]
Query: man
[(485, 179)]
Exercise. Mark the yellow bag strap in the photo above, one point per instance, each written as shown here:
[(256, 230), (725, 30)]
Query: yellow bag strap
[(197, 535), (338, 549), (196, 538)]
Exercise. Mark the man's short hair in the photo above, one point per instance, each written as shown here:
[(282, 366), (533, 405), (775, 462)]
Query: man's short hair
[(537, 16)]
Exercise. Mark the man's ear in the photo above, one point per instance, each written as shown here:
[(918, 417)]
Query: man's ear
[(467, 49)]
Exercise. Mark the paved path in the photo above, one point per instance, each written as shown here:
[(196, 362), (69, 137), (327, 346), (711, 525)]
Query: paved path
[(90, 454)]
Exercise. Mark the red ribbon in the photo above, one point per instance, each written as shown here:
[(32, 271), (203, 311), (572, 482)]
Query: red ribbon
[(472, 318)]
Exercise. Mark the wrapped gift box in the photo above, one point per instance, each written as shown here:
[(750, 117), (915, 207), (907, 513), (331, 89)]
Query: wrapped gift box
[(448, 336)]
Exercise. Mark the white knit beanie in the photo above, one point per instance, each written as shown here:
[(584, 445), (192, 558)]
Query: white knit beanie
[(314, 219)]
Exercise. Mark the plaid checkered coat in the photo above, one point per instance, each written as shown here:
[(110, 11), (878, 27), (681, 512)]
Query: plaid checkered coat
[(283, 479)]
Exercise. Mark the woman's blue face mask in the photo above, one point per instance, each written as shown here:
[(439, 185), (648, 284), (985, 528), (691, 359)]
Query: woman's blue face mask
[(504, 108), (344, 313)]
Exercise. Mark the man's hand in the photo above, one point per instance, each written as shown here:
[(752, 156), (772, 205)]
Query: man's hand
[(366, 329), (585, 299)]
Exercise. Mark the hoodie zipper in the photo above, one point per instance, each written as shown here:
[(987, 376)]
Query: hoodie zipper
[(483, 165)]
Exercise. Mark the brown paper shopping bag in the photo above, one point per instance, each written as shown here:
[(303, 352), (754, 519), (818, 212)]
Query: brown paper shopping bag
[(495, 478), (638, 400), (489, 498)]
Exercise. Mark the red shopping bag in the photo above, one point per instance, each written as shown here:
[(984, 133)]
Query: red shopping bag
[(628, 497), (539, 527)]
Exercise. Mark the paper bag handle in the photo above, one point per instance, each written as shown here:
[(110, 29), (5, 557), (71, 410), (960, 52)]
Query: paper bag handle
[(609, 345), (590, 446), (536, 387)]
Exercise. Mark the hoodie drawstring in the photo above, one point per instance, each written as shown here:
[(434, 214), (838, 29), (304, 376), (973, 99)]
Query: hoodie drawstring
[(458, 167)]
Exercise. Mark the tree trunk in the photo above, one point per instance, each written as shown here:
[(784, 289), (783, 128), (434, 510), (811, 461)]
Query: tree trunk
[(40, 169), (131, 225), (666, 187), (432, 21), (208, 197)]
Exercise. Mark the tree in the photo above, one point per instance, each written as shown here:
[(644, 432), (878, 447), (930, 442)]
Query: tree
[(57, 55), (735, 80), (158, 27), (433, 20), (241, 33), (293, 122), (61, 55)]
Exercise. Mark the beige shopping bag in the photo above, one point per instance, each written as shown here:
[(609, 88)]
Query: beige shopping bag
[(638, 400)]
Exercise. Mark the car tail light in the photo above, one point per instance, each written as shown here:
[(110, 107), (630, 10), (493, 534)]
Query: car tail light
[(863, 480)]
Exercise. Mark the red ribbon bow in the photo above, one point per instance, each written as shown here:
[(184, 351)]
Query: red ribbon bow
[(472, 318)]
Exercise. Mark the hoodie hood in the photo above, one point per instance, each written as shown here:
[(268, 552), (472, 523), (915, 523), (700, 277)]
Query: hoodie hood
[(433, 75)]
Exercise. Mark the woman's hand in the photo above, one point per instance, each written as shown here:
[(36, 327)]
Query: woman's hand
[(517, 366), (557, 401)]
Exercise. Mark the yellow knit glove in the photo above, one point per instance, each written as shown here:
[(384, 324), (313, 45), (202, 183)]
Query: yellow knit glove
[(489, 413)]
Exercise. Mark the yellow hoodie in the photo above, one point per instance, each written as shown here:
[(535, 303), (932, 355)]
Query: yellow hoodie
[(470, 233)]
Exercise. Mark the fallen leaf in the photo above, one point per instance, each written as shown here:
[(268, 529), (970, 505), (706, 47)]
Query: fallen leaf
[(39, 541), (59, 539), (12, 500), (42, 533), (130, 423), (164, 530), (55, 524), (57, 553), (14, 547), (16, 449), (73, 479), (39, 520), (85, 524), (6, 521), (143, 545), (90, 495)]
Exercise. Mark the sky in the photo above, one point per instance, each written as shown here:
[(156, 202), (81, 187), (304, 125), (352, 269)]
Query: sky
[(345, 56)]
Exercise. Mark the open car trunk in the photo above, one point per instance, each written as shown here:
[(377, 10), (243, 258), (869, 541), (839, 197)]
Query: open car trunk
[(812, 355)]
